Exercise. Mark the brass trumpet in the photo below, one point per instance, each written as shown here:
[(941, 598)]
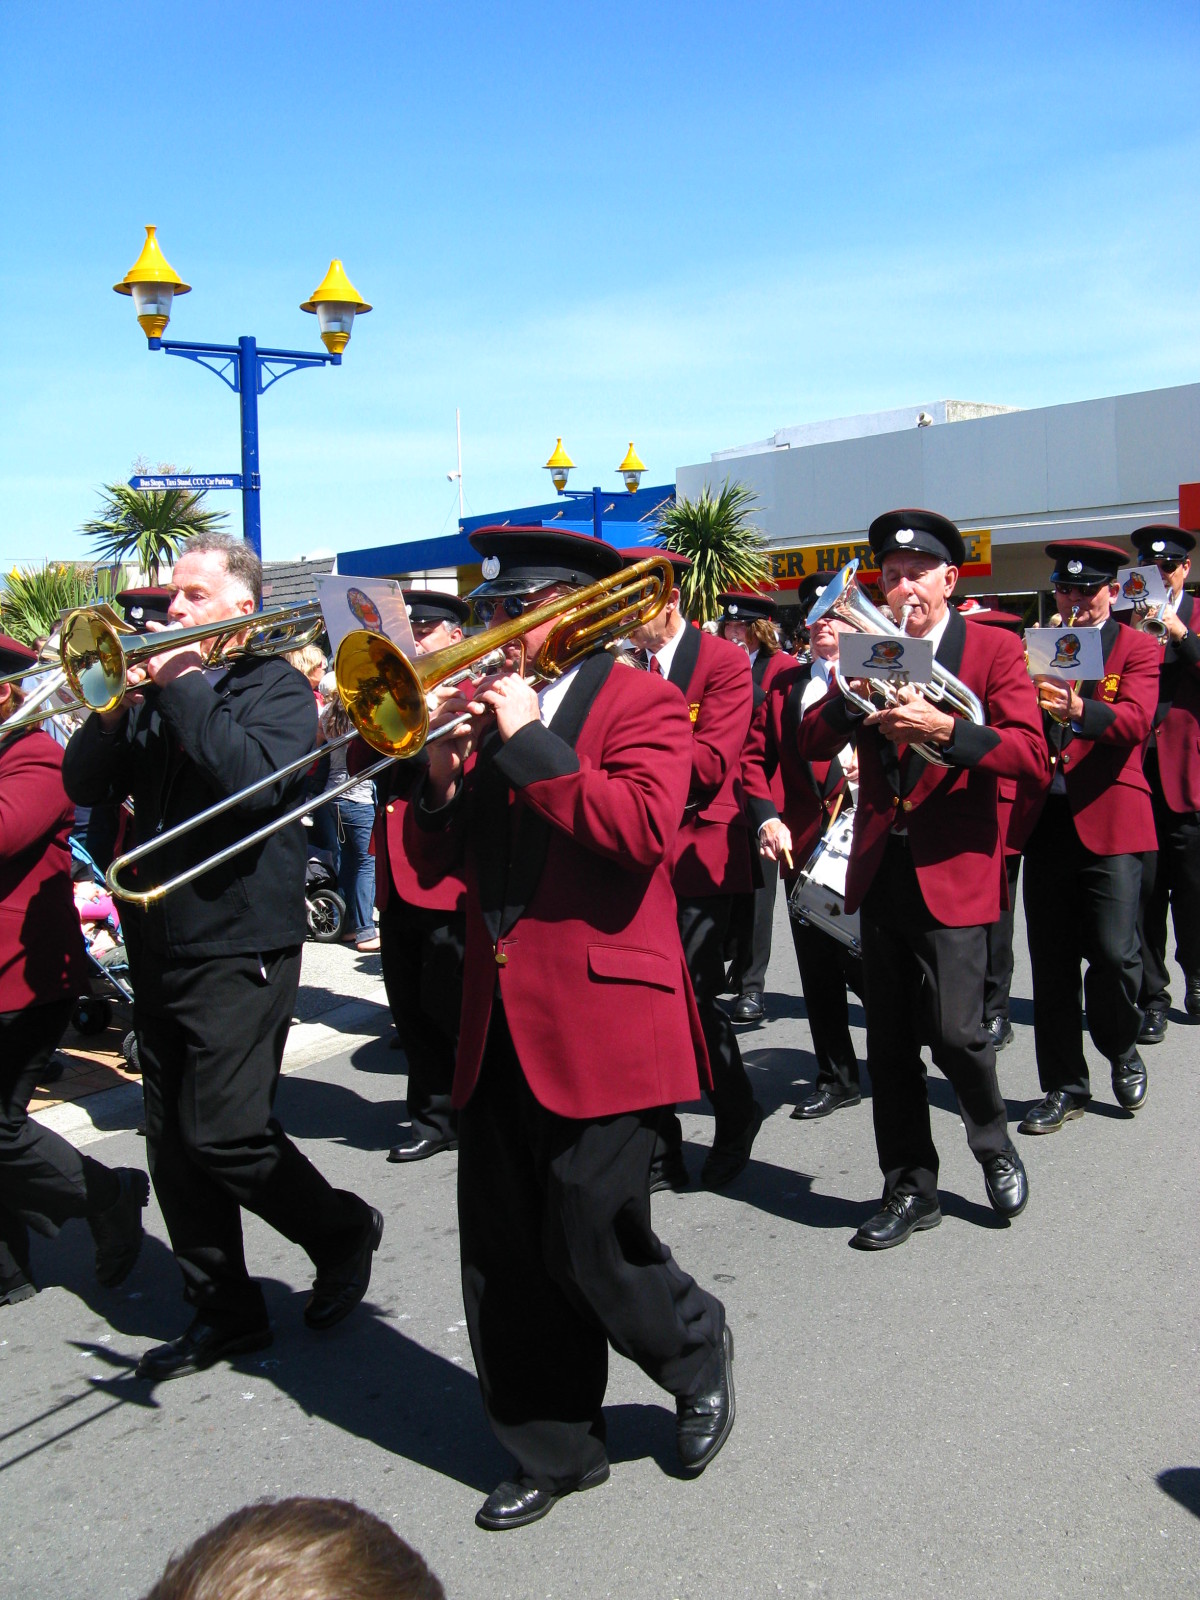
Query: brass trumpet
[(845, 599), (96, 658), (385, 698)]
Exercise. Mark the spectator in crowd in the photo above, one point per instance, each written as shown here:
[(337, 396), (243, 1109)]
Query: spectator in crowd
[(354, 817)]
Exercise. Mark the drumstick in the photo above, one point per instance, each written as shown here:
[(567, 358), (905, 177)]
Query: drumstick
[(837, 806), (787, 856)]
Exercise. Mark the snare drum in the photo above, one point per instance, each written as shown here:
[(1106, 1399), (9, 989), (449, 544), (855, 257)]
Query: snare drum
[(818, 896)]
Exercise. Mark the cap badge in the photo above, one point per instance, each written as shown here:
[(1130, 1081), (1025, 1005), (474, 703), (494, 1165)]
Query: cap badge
[(1074, 568), (408, 609), (491, 567), (904, 536), (1159, 546), (731, 608), (136, 613)]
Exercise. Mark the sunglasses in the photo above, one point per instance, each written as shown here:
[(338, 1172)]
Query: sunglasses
[(514, 605), (1079, 588)]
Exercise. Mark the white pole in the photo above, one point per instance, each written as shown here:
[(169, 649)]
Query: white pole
[(458, 431)]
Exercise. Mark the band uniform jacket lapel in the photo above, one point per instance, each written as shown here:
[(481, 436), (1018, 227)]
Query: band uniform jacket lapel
[(683, 663)]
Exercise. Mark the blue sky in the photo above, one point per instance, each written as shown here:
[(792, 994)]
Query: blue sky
[(685, 225)]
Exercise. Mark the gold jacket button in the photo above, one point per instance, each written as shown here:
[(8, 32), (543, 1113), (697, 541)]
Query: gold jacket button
[(907, 805), (390, 810)]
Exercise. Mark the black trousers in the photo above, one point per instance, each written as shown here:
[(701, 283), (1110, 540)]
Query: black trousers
[(1079, 908), (997, 984), (827, 970), (752, 921), (44, 1181), (210, 1036), (422, 957), (924, 983), (704, 929), (1170, 880), (558, 1261)]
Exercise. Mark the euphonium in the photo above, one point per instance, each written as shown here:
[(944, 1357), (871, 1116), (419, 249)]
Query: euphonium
[(845, 599)]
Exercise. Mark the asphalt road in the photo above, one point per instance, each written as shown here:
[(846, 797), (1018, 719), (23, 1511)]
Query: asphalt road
[(987, 1410)]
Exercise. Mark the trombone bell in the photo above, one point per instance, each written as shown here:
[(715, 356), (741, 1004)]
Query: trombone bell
[(382, 694), (93, 660)]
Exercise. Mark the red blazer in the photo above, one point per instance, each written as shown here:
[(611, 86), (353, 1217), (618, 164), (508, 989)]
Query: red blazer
[(1177, 721), (397, 870), (951, 813), (579, 926), (1106, 786), (766, 671), (41, 946), (712, 851), (777, 781)]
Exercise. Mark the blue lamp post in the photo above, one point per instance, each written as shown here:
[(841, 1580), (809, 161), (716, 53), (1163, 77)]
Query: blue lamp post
[(559, 467), (153, 283)]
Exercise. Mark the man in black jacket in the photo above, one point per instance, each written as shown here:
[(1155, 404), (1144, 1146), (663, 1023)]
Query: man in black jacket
[(217, 965)]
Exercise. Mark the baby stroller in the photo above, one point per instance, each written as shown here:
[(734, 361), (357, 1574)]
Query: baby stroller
[(109, 995), (324, 906)]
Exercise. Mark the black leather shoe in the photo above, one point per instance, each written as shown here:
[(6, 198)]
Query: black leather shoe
[(728, 1157), (999, 1031), (1007, 1182), (1154, 1026), (1191, 998), (421, 1149), (1048, 1116), (17, 1286), (117, 1231), (201, 1347), (1129, 1082), (514, 1505), (703, 1423), (337, 1290), (669, 1172), (900, 1216), (749, 1007), (827, 1098)]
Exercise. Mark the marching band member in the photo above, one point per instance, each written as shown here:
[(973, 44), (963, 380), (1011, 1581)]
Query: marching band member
[(421, 928), (1172, 877), (44, 1181), (926, 869), (1083, 835), (578, 1025), (748, 620), (711, 865), (790, 802), (218, 965), (998, 982)]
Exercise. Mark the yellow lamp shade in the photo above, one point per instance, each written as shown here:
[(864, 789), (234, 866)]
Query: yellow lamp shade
[(631, 469), (153, 283), (336, 303), (559, 467)]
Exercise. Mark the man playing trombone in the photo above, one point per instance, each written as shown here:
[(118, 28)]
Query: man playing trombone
[(578, 1025), (927, 871), (217, 962)]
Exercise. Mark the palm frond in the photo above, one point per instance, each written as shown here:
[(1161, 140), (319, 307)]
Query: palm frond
[(147, 525), (33, 598), (718, 536)]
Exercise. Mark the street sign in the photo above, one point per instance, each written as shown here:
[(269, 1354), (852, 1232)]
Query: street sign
[(194, 481)]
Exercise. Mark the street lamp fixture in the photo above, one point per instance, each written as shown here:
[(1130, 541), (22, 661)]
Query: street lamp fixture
[(336, 302), (249, 371), (631, 469), (153, 283), (559, 467)]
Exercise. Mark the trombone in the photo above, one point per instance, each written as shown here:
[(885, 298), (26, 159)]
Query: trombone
[(96, 657), (845, 599), (385, 696)]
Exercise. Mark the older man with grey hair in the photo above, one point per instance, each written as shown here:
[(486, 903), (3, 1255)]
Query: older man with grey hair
[(217, 963)]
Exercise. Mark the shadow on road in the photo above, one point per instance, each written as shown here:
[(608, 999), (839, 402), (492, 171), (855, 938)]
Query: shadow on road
[(1183, 1485)]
